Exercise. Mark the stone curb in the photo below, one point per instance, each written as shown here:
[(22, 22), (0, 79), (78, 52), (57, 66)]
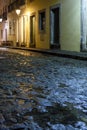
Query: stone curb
[(66, 54)]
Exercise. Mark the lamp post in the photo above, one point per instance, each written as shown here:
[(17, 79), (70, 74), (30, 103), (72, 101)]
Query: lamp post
[(18, 11)]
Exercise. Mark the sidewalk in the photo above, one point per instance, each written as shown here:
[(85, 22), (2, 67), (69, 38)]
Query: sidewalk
[(55, 52)]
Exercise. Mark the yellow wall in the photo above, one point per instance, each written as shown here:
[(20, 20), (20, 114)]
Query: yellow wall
[(42, 39), (70, 17), (70, 25)]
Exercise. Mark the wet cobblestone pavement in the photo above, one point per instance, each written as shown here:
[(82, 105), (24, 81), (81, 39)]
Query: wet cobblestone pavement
[(42, 92)]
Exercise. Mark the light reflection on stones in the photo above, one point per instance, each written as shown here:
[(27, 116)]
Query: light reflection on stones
[(42, 92)]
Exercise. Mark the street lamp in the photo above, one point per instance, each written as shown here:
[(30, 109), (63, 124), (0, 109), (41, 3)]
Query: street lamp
[(18, 11), (1, 19)]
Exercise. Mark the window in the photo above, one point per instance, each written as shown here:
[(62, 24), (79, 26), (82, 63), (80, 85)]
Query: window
[(31, 0), (12, 27), (42, 20), (1, 33)]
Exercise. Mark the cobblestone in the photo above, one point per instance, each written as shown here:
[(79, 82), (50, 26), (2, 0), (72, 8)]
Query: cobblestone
[(42, 92)]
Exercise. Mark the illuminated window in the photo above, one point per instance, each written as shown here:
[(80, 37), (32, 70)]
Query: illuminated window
[(42, 20)]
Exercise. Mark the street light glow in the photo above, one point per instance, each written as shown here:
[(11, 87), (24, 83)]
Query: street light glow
[(0, 20), (18, 11)]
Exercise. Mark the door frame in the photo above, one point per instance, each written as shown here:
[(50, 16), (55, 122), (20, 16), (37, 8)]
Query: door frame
[(53, 45), (32, 44)]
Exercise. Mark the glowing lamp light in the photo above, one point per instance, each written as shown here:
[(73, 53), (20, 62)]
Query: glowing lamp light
[(0, 20), (18, 11)]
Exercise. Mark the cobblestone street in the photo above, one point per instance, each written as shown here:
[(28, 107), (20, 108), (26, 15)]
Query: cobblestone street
[(42, 92)]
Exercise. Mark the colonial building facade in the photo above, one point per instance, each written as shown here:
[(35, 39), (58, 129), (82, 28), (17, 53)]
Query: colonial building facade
[(60, 24)]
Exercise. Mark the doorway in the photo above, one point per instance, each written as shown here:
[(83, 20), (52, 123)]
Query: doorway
[(32, 31), (55, 26)]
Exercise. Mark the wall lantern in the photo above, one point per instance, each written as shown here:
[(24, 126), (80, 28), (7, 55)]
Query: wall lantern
[(18, 11), (1, 19)]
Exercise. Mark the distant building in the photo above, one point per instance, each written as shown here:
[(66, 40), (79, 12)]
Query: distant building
[(3, 20), (45, 24)]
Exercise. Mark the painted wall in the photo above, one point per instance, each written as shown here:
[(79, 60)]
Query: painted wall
[(42, 39), (70, 25), (70, 18), (12, 27), (17, 30)]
